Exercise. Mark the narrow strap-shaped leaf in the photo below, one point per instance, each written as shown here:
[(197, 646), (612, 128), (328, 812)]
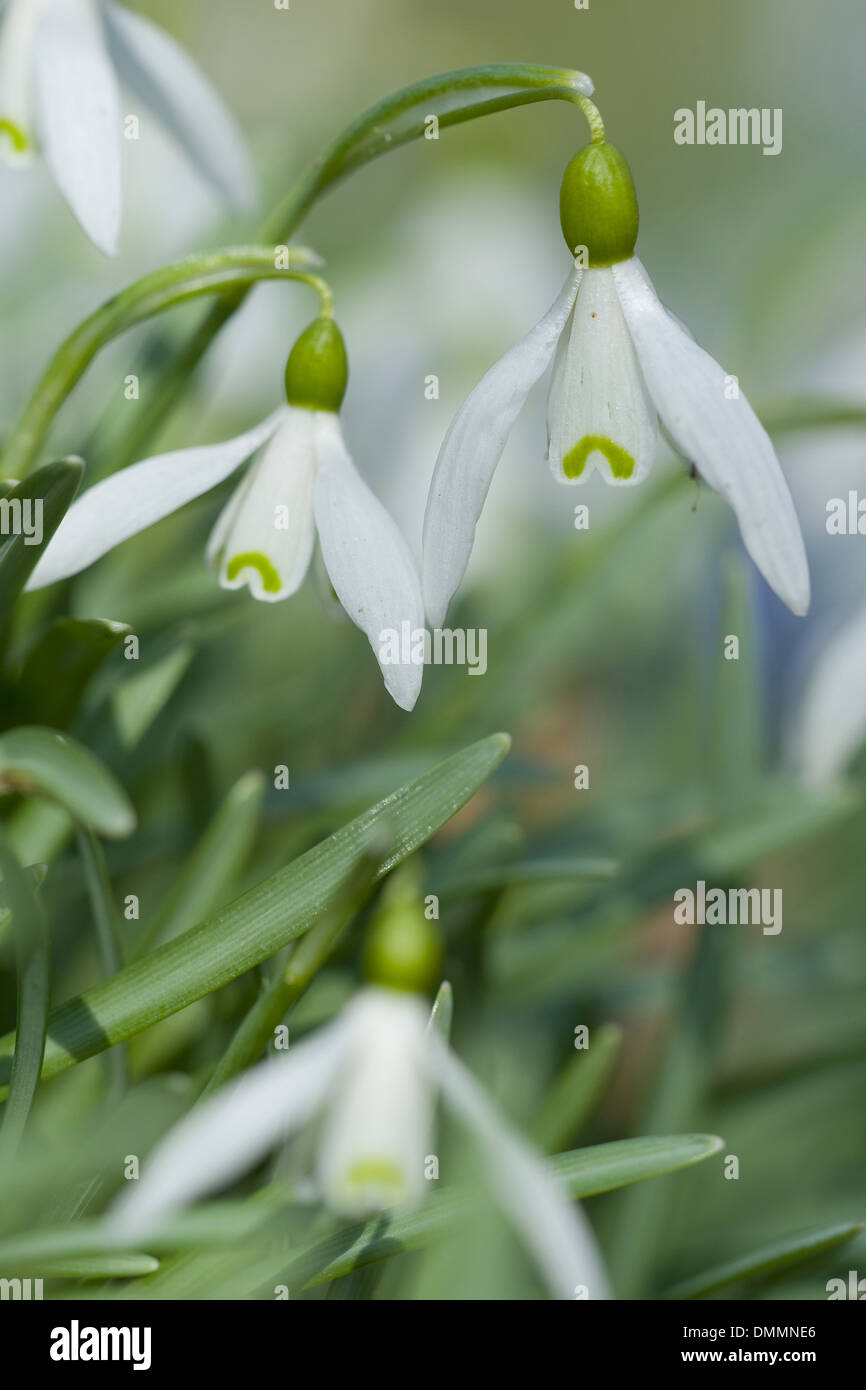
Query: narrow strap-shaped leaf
[(263, 920), (43, 762), (34, 508), (576, 1089), (58, 668), (32, 960), (768, 1260)]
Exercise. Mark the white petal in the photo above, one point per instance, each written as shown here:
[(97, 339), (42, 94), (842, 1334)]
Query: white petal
[(17, 30), (78, 115), (368, 561), (179, 94), (831, 726), (130, 501), (553, 1226), (599, 413), (225, 1135), (378, 1121), (265, 534), (473, 447), (722, 437)]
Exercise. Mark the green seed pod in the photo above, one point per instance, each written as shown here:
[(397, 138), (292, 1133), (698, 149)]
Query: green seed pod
[(317, 370), (598, 205)]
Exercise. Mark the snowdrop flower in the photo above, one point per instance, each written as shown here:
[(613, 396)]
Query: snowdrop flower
[(60, 61), (830, 726), (621, 362), (370, 1079), (301, 482)]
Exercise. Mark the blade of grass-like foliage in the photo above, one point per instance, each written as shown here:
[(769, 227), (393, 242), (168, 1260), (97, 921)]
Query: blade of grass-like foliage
[(138, 700), (583, 1173), (212, 867), (532, 871), (43, 762), (261, 921), (122, 1266), (197, 1273), (105, 920), (768, 1260), (32, 946), (52, 489), (307, 958), (576, 1089), (443, 1011), (58, 668)]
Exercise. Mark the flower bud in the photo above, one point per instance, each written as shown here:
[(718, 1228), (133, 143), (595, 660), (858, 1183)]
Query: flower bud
[(598, 205), (317, 370)]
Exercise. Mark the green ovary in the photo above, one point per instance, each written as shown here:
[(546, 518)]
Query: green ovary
[(621, 462), (253, 559), (19, 139)]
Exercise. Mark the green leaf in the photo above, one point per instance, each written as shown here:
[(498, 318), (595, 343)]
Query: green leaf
[(443, 1011), (583, 1173), (138, 701), (768, 1260), (213, 866), (576, 1089), (262, 920), (43, 762), (32, 943), (50, 489), (107, 1266), (59, 667)]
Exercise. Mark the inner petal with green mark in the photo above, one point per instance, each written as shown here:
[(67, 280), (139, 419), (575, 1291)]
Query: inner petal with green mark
[(620, 460), (378, 1173), (254, 559), (18, 138)]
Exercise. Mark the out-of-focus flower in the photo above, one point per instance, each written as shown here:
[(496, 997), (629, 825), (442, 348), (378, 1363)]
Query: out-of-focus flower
[(621, 362), (60, 66), (830, 726), (370, 1077), (301, 482)]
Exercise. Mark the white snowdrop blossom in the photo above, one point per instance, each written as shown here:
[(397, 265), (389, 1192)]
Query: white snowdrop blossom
[(370, 1079), (621, 363), (301, 483), (61, 63)]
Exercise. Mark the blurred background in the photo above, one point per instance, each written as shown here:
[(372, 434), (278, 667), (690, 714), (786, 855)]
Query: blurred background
[(605, 647)]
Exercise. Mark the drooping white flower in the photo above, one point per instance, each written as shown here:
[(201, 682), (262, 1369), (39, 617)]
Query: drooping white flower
[(830, 723), (301, 482), (61, 62), (621, 363), (370, 1078)]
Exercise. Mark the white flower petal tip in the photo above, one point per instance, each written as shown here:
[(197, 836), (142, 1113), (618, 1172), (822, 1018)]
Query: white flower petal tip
[(265, 534), (17, 27), (367, 559), (179, 94), (600, 417), (553, 1227), (78, 115), (130, 501), (472, 449), (713, 426)]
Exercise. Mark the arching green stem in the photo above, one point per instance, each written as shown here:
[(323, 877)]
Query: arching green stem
[(214, 272), (452, 98)]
